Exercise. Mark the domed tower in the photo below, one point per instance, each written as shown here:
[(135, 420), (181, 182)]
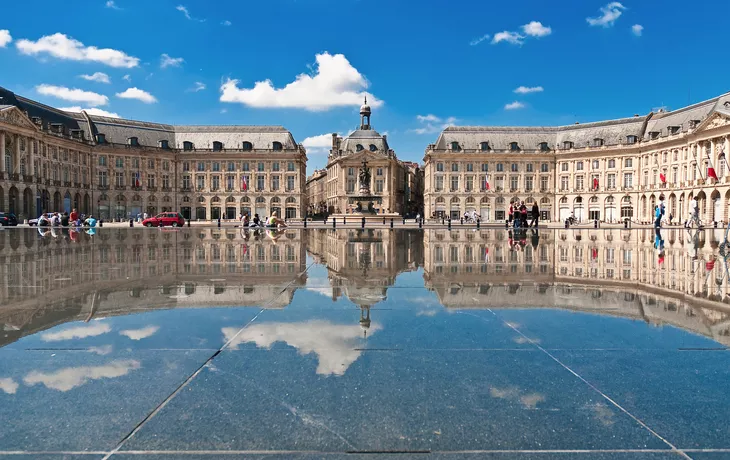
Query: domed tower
[(365, 115)]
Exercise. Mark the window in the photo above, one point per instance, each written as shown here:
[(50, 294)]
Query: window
[(165, 181), (454, 167), (564, 167), (440, 167), (579, 182), (165, 165), (563, 183), (244, 167), (611, 181), (101, 138), (513, 167), (359, 147), (513, 183), (484, 146), (102, 160), (120, 162), (528, 167), (455, 146), (579, 166), (500, 167), (290, 166), (597, 142), (373, 148), (350, 185), (514, 146), (544, 183), (260, 167), (246, 146), (544, 147), (133, 141), (150, 180), (151, 164), (276, 146), (103, 179), (454, 183), (627, 163), (485, 167), (274, 182), (469, 183), (379, 186), (290, 183), (217, 146), (594, 164), (631, 139), (567, 145), (439, 183), (200, 182), (469, 167), (628, 180), (275, 166), (379, 172), (611, 164), (164, 144), (544, 167), (188, 146), (186, 166), (201, 166), (216, 166), (528, 183), (119, 179), (231, 166), (260, 183)]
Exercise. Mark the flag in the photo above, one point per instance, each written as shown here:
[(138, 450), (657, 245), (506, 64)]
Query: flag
[(244, 185), (486, 183), (594, 253), (595, 183), (710, 168), (663, 178), (136, 179), (709, 265), (486, 255)]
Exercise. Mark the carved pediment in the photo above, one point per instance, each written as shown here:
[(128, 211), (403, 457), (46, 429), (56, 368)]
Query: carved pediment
[(13, 116), (716, 120)]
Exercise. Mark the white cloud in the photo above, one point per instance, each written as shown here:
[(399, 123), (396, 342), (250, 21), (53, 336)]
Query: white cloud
[(60, 46), (127, 78), (529, 89), (514, 105), (431, 124), (199, 86), (318, 142), (99, 77), (477, 41), (509, 37), (8, 385), (334, 344), (139, 334), (79, 332), (536, 29), (528, 401), (184, 10), (5, 38), (637, 29), (226, 23), (167, 61), (73, 95), (112, 5), (136, 93), (90, 111), (334, 83), (71, 377), (609, 14), (102, 350)]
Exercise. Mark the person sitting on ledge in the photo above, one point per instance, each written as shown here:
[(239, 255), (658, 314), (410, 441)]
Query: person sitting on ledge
[(275, 222), (90, 222)]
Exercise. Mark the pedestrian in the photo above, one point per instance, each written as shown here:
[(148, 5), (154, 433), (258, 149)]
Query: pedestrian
[(670, 218), (535, 214), (511, 213), (64, 219), (144, 216), (74, 215), (523, 214)]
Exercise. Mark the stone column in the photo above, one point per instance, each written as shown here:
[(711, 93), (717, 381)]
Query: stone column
[(2, 152), (31, 159), (16, 160)]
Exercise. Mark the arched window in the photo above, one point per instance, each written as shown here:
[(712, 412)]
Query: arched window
[(277, 146), (514, 146), (484, 146), (215, 199), (544, 147), (291, 199), (373, 147), (217, 146), (359, 147), (186, 199), (260, 199), (133, 141), (246, 146), (187, 146)]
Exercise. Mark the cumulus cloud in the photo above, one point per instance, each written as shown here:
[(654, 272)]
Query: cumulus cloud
[(8, 385), (63, 47), (127, 78), (71, 377), (99, 77), (5, 38), (529, 89), (609, 14), (536, 29), (334, 83), (139, 334), (199, 86), (477, 41), (184, 10), (334, 344), (318, 144), (432, 124), (509, 37), (112, 5), (79, 332), (514, 105), (637, 29), (167, 61), (226, 23), (138, 94), (90, 111), (73, 95)]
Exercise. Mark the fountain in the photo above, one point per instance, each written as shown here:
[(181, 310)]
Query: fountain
[(364, 202)]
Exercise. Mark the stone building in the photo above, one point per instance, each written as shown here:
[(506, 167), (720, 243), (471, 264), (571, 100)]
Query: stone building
[(609, 170), (340, 178), (115, 168)]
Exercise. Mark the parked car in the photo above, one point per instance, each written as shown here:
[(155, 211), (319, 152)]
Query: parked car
[(172, 219), (32, 222), (8, 218)]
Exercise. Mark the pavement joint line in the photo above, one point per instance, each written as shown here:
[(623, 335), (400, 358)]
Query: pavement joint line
[(594, 388), (191, 377)]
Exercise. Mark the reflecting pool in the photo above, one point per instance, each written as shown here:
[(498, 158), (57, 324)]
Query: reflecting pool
[(463, 343)]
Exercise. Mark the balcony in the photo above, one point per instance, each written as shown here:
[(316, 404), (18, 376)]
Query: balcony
[(166, 189), (152, 189), (27, 178), (120, 187), (57, 183), (186, 189), (15, 177), (67, 183), (104, 187), (77, 184), (627, 188)]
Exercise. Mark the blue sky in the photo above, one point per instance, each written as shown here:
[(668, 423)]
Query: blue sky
[(425, 64)]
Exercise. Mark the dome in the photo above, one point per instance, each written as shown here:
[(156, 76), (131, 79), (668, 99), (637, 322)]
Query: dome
[(364, 109)]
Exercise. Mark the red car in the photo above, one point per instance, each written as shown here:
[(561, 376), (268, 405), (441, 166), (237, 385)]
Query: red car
[(172, 219)]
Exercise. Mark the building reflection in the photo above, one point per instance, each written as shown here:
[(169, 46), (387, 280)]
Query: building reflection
[(52, 279)]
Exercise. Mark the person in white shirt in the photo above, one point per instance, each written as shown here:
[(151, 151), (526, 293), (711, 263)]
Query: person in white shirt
[(693, 211)]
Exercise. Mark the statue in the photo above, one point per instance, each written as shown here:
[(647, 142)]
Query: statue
[(365, 177), (358, 208)]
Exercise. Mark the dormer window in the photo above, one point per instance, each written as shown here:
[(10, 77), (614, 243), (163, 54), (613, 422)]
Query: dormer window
[(37, 120), (597, 142), (653, 134), (163, 144), (57, 128), (188, 146), (373, 148), (217, 146), (631, 139), (693, 123), (484, 146), (100, 138), (77, 133), (544, 147), (359, 147), (246, 146), (514, 147), (567, 145), (673, 129), (277, 146), (133, 142), (455, 146)]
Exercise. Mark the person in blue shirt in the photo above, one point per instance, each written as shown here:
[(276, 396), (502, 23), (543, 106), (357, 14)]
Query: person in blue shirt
[(90, 221)]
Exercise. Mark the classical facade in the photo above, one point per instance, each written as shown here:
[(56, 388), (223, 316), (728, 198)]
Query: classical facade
[(115, 168), (388, 175), (609, 170)]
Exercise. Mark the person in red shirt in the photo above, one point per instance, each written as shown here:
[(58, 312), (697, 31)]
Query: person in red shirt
[(74, 216)]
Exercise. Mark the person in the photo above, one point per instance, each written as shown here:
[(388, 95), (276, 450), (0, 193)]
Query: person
[(523, 214), (535, 214), (245, 220), (64, 219), (144, 216), (670, 218), (55, 220), (658, 216), (693, 211), (90, 221), (74, 215), (256, 221), (274, 221), (511, 213), (43, 220)]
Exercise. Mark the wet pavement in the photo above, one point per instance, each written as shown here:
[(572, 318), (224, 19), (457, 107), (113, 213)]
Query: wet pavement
[(203, 343)]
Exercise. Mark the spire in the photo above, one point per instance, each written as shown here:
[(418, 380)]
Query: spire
[(365, 115)]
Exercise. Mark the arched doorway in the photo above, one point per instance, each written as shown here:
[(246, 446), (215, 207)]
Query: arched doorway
[(455, 208), (485, 208), (609, 209), (702, 205), (627, 208), (200, 209), (102, 207), (67, 202), (500, 208), (725, 216), (260, 207), (245, 206), (643, 214), (471, 205), (594, 208), (215, 208), (680, 214), (546, 210), (717, 211), (120, 210), (440, 207), (45, 201), (672, 205), (563, 209), (291, 208), (152, 208), (652, 201), (77, 201), (56, 201), (87, 204), (275, 206), (13, 200), (230, 207), (578, 208), (28, 202), (135, 205), (166, 203), (2, 199)]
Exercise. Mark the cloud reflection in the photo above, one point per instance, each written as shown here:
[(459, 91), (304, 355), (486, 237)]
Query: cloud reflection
[(334, 344), (8, 385), (71, 377), (79, 332), (139, 334)]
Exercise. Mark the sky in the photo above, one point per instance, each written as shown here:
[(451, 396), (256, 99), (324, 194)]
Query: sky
[(307, 64)]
